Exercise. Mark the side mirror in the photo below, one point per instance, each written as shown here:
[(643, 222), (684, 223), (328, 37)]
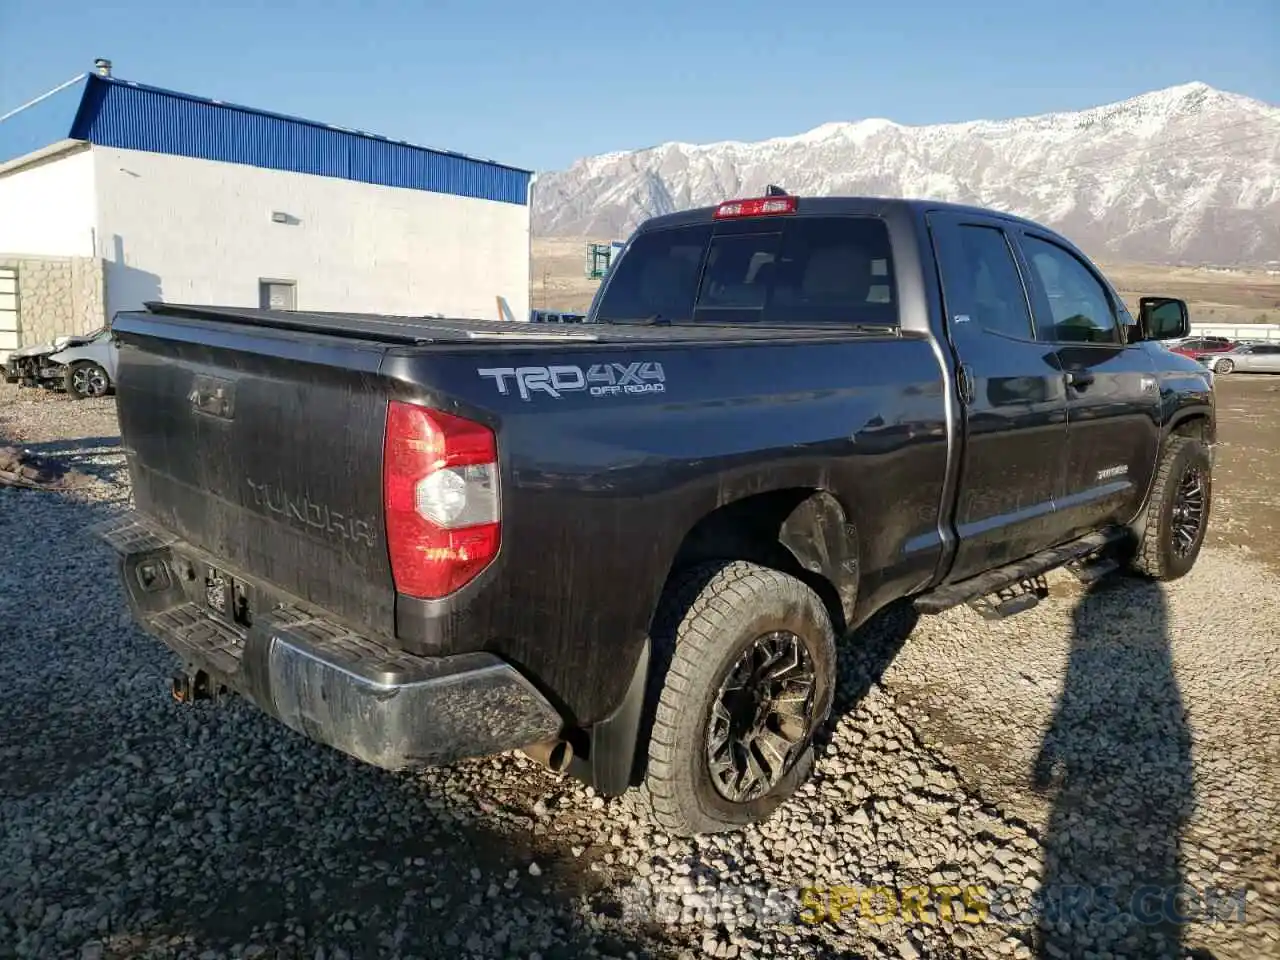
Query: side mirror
[(1163, 318)]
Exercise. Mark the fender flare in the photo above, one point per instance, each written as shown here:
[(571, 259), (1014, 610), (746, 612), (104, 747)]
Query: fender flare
[(819, 536), (1198, 411), (823, 540), (1192, 412)]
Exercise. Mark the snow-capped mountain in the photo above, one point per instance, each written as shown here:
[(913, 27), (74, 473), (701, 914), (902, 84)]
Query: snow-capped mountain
[(1188, 174)]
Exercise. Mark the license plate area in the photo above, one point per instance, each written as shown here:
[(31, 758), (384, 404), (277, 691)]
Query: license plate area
[(227, 598)]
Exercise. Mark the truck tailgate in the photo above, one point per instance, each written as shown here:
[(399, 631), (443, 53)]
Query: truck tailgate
[(265, 452)]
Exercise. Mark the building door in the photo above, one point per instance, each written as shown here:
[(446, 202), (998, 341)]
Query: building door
[(277, 295), (8, 312)]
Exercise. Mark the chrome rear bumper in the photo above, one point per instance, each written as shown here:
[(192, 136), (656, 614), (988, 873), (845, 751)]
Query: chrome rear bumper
[(384, 706)]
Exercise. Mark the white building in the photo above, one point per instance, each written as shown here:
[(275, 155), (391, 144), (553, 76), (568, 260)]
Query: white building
[(113, 193)]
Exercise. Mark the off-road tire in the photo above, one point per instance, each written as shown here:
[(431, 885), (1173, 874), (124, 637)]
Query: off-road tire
[(1154, 555), (84, 368), (710, 615)]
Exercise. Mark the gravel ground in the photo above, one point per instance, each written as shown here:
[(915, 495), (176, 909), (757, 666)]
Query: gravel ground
[(1125, 737)]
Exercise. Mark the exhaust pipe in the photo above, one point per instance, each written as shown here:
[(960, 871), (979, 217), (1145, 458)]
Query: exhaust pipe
[(555, 755)]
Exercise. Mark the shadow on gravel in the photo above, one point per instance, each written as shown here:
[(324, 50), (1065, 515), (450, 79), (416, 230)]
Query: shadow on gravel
[(49, 567), (311, 854), (867, 652), (1117, 759), (79, 454), (133, 826)]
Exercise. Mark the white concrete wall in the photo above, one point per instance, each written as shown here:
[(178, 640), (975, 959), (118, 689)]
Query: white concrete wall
[(200, 231), (1237, 331), (47, 207)]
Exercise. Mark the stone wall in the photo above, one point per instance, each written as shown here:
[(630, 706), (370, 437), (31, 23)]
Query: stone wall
[(57, 296)]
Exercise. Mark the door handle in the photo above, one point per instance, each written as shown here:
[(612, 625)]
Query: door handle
[(1079, 378)]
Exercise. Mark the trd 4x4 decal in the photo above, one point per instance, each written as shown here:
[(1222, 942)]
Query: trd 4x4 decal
[(600, 379)]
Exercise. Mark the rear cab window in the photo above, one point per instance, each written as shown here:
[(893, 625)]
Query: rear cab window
[(771, 270)]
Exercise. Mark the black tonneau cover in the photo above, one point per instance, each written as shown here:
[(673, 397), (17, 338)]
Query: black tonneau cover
[(384, 328), (423, 331)]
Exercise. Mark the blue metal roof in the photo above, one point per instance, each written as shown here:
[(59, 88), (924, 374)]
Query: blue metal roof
[(132, 116)]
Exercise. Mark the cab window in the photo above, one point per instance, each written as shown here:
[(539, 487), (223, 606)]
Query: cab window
[(1072, 306), (775, 270)]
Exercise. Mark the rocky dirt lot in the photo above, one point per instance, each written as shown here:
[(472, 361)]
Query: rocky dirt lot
[(1126, 738)]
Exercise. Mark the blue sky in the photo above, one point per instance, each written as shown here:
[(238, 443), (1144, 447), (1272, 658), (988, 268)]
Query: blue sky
[(541, 84)]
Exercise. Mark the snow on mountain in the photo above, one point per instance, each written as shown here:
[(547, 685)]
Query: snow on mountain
[(1188, 174)]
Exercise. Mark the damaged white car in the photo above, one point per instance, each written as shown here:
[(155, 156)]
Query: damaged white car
[(84, 366)]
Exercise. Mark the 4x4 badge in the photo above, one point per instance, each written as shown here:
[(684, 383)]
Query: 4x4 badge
[(600, 379)]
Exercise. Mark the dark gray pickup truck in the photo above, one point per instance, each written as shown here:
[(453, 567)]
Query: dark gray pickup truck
[(631, 546)]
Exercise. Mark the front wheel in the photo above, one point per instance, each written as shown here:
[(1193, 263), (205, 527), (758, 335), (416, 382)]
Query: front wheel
[(1178, 515), (751, 677), (1224, 366), (87, 379)]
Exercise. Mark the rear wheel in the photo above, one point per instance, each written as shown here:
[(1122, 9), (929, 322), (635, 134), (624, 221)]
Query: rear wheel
[(1178, 515), (87, 379), (749, 679)]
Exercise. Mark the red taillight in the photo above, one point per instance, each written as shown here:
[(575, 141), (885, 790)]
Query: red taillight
[(440, 493), (757, 207)]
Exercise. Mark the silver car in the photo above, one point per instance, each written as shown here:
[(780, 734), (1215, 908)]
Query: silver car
[(1245, 358), (83, 366)]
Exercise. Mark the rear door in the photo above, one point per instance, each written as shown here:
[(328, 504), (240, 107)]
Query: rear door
[(1114, 415), (1015, 408), (1265, 358)]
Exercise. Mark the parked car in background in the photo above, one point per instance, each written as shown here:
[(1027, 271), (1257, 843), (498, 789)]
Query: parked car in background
[(83, 366), (1244, 358), (1194, 346)]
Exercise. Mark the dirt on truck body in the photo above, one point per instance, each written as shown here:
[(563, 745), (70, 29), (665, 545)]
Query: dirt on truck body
[(628, 545)]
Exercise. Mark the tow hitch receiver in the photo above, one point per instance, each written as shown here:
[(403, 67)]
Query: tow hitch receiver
[(190, 687), (227, 597)]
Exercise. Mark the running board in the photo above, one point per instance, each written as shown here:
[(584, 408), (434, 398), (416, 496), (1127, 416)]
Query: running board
[(1021, 578), (1006, 602), (1091, 570)]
